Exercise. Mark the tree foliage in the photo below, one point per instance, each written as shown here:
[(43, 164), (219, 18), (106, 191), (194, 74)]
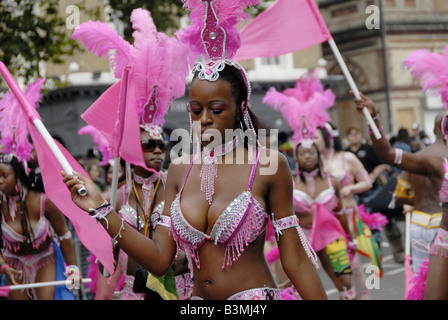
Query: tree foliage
[(31, 32)]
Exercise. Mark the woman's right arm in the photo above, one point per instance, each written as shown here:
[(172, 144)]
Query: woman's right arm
[(155, 255), (412, 162)]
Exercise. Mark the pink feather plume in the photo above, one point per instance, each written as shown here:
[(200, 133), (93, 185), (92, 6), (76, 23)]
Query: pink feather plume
[(101, 39), (418, 283), (100, 141), (431, 69), (157, 59), (307, 99), (229, 13), (13, 126), (375, 221)]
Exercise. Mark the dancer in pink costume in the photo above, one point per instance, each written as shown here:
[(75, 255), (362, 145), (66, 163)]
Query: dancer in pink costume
[(431, 69), (352, 178), (217, 212), (160, 65), (28, 218), (316, 195)]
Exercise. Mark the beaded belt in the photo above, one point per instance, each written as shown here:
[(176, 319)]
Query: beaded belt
[(428, 221)]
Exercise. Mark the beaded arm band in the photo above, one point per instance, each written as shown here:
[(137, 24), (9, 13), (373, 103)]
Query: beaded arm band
[(101, 212), (293, 222)]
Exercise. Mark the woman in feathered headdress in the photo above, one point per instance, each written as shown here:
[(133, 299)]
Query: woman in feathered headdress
[(432, 71), (316, 195), (161, 64), (30, 252), (222, 228)]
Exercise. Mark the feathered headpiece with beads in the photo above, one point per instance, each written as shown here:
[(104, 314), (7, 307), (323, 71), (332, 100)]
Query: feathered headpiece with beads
[(13, 128), (161, 64), (304, 107), (214, 35)]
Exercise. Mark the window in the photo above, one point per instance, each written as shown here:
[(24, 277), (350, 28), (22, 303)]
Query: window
[(270, 61)]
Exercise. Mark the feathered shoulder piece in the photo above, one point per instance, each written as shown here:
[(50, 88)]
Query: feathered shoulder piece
[(13, 128), (431, 69), (304, 107), (161, 63)]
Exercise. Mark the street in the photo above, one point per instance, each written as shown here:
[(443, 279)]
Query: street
[(391, 285)]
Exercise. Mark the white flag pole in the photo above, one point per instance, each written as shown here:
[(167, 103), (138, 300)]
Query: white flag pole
[(46, 284), (353, 87)]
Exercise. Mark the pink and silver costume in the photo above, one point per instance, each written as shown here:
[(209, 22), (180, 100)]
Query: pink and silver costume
[(28, 264)]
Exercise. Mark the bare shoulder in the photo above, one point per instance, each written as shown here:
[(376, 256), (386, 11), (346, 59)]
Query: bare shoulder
[(177, 169), (274, 164)]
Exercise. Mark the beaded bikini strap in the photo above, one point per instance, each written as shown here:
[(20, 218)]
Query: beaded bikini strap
[(186, 174), (253, 171)]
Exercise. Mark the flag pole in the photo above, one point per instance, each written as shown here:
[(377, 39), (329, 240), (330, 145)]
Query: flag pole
[(353, 87), (66, 282), (31, 113), (408, 274)]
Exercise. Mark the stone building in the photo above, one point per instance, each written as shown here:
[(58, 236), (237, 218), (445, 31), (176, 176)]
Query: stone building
[(375, 50)]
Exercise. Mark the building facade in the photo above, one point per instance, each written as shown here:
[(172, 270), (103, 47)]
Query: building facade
[(375, 43)]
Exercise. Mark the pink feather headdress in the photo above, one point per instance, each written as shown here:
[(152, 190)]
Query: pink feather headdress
[(100, 141), (432, 71), (304, 106), (161, 64), (13, 128), (214, 34)]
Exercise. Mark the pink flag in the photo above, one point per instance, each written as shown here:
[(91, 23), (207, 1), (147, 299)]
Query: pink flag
[(287, 26), (91, 233), (104, 115), (326, 228)]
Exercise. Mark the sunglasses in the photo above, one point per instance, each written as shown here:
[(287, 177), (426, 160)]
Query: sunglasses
[(151, 145)]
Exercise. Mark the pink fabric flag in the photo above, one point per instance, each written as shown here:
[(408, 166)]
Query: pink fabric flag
[(326, 228), (286, 26), (91, 233), (104, 115)]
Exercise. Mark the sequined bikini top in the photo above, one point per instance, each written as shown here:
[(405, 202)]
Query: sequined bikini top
[(239, 224), (304, 203), (41, 231)]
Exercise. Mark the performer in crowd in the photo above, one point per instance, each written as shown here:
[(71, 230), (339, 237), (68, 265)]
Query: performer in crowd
[(316, 195), (353, 179), (160, 67), (219, 221), (425, 67), (33, 230)]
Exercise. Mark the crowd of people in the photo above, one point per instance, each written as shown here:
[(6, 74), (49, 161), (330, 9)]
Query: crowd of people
[(212, 225)]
